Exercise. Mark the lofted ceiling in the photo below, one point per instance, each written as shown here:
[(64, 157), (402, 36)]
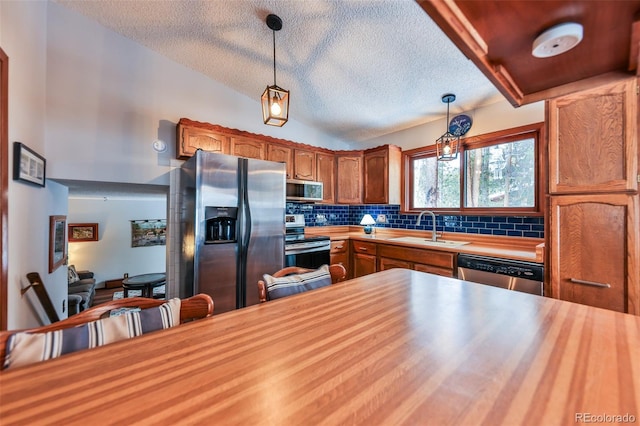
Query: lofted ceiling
[(498, 35), (356, 69)]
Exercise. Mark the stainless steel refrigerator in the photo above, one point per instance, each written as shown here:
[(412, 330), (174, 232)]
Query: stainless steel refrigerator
[(232, 212)]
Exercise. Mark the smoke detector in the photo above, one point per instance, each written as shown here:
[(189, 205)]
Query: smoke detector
[(557, 40)]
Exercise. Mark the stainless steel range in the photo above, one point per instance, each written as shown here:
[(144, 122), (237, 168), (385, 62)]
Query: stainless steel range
[(302, 250)]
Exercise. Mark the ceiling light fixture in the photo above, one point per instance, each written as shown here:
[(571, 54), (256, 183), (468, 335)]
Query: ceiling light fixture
[(275, 100), (447, 144), (557, 39)]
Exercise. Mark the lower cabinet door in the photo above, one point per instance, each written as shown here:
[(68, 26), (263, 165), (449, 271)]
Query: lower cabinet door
[(386, 263), (363, 264), (593, 250), (445, 272)]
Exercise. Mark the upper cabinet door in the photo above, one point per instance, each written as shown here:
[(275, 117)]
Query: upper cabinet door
[(304, 165), (281, 154), (326, 173), (191, 138), (349, 176), (376, 177), (593, 143), (382, 175), (248, 148)]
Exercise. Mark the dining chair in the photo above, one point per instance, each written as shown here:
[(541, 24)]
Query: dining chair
[(146, 315), (293, 280)]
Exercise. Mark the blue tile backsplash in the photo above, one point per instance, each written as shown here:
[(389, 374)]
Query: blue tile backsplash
[(326, 214)]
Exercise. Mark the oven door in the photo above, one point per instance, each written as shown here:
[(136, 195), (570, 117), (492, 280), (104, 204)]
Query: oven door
[(307, 255)]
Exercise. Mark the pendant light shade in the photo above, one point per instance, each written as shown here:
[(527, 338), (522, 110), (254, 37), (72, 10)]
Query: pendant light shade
[(275, 100), (447, 144)]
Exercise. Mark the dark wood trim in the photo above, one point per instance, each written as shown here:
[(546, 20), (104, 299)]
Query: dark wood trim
[(255, 136), (4, 182), (497, 37), (35, 283), (537, 130), (448, 16)]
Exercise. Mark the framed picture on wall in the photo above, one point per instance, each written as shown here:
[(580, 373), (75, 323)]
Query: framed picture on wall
[(28, 166), (150, 232), (83, 232), (57, 242)]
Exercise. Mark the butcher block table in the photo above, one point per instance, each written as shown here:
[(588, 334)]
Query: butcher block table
[(395, 347)]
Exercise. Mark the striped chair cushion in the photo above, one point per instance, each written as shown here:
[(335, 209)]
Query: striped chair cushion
[(298, 283), (26, 348)]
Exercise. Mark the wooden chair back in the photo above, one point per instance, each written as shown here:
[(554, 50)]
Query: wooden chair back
[(192, 308), (337, 271)]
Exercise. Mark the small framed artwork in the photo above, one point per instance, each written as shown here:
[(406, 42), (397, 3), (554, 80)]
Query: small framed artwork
[(150, 232), (83, 232), (57, 242), (28, 166)]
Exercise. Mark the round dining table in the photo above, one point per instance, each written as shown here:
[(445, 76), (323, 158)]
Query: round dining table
[(144, 282)]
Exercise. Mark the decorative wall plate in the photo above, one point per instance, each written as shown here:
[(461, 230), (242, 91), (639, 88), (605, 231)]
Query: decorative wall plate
[(460, 124)]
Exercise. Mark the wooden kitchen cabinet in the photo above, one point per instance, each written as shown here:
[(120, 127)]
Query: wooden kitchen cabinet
[(326, 173), (340, 254), (594, 250), (364, 259), (594, 253), (248, 148), (386, 263), (424, 260), (304, 165), (281, 154), (189, 139), (382, 167), (593, 140), (349, 178)]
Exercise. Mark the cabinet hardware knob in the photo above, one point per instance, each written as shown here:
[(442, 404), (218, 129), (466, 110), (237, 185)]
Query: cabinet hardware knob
[(591, 283)]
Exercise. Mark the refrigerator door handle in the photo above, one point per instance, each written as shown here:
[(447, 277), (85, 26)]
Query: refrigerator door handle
[(246, 235), (245, 231)]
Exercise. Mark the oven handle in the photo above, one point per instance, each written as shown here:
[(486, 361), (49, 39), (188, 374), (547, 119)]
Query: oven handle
[(306, 250)]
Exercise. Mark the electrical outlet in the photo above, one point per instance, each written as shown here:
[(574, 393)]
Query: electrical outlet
[(381, 218)]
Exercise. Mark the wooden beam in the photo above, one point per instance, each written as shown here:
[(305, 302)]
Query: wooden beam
[(634, 45), (462, 33)]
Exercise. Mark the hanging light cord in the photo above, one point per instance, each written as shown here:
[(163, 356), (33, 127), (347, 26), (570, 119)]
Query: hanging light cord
[(447, 123), (274, 57)]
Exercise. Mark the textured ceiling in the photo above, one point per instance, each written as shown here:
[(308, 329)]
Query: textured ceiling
[(356, 69)]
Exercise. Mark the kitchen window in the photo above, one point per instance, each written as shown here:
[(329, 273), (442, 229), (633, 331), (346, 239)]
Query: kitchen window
[(496, 173)]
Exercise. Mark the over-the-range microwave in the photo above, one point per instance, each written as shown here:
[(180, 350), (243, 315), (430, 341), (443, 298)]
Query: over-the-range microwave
[(304, 190)]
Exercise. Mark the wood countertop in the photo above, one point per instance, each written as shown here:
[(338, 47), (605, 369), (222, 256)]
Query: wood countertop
[(394, 347), (516, 248)]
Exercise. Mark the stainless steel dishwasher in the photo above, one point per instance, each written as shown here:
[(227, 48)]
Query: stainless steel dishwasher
[(516, 275)]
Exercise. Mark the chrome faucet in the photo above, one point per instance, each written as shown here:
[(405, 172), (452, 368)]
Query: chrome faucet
[(434, 236)]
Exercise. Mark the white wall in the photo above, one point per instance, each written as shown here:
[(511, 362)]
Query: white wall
[(91, 102), (109, 98), (23, 27), (112, 255), (494, 117)]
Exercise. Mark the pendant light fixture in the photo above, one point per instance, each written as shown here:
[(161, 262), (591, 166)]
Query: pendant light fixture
[(275, 100), (447, 144)]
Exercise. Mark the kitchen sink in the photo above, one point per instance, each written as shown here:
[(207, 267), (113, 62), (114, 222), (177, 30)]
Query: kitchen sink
[(428, 242)]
